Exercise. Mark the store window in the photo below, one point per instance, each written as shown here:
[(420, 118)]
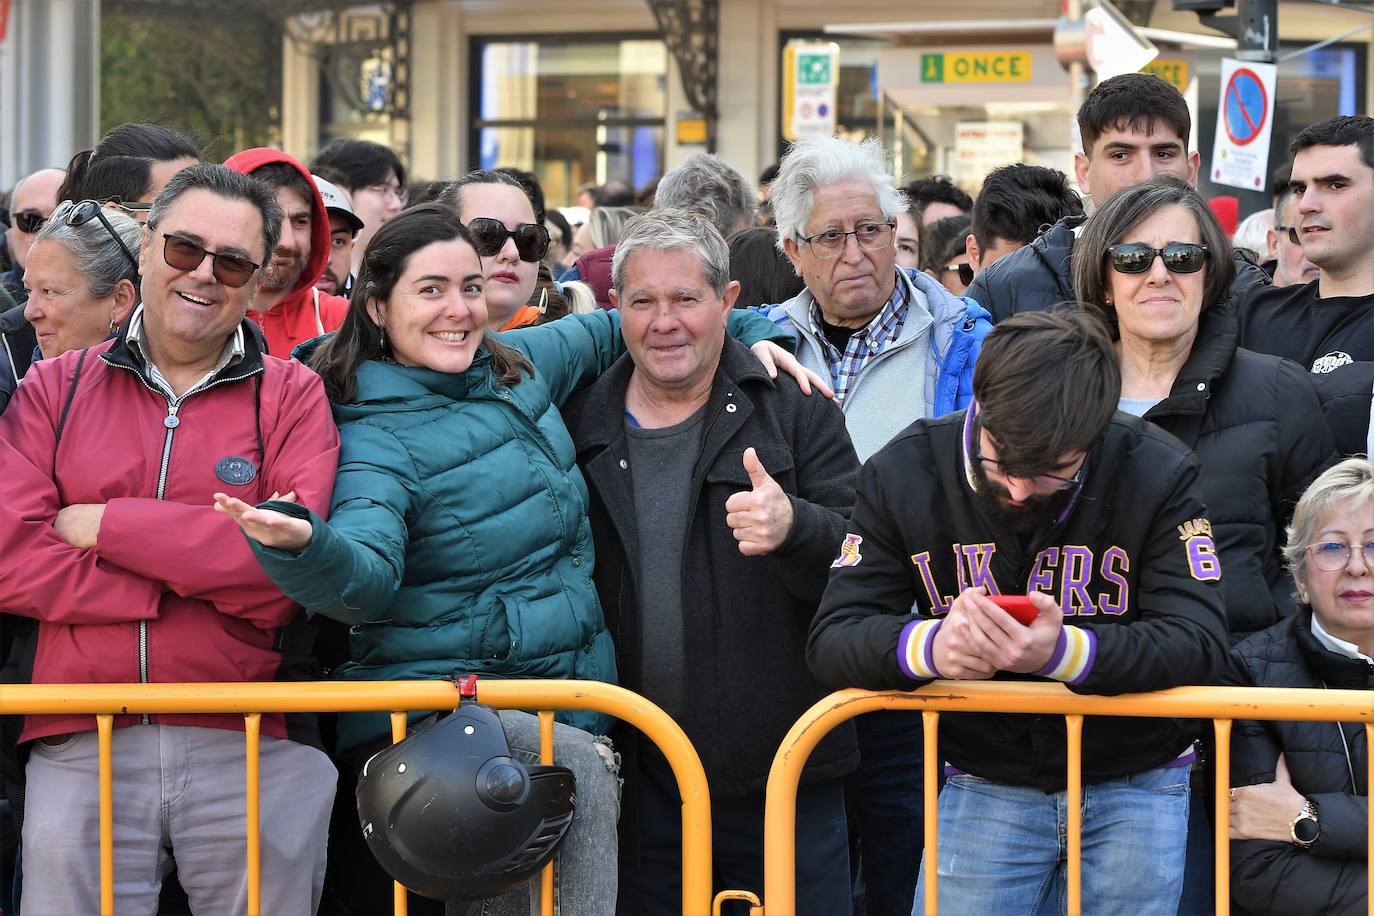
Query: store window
[(1311, 88), (572, 110)]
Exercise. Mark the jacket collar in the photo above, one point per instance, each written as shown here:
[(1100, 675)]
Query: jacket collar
[(927, 303), (1335, 670), (1218, 336), (125, 356), (599, 416)]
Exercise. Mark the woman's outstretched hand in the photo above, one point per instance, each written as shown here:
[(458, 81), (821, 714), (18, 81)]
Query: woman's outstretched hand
[(775, 357), (271, 529)]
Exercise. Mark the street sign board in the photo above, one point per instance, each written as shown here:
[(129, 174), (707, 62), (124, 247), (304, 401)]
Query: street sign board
[(1245, 119), (976, 67), (811, 75), (1112, 44)]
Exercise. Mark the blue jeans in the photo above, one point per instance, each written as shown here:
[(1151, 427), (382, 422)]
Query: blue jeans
[(1004, 849), (883, 800)]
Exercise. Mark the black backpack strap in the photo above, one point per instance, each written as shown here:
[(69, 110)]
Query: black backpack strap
[(71, 393)]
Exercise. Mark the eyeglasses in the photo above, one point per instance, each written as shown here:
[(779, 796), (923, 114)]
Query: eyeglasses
[(1333, 555), (1292, 233), (965, 272), (386, 190), (78, 214), (184, 254), (489, 236), (29, 221), (133, 208), (1137, 257), (870, 236), (1045, 481)]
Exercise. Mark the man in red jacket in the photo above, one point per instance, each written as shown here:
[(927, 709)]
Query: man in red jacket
[(108, 540), (288, 307)]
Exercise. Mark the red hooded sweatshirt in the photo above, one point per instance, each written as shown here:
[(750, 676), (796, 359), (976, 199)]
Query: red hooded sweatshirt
[(305, 312)]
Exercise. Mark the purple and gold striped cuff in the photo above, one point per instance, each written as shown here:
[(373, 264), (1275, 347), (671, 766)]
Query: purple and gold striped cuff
[(916, 649), (1073, 656)]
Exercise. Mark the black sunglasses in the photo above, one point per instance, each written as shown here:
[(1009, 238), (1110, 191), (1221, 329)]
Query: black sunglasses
[(965, 272), (184, 254), (489, 236), (29, 221), (1292, 233), (78, 214), (1137, 257)]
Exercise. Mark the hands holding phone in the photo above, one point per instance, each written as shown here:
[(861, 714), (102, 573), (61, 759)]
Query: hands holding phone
[(984, 634)]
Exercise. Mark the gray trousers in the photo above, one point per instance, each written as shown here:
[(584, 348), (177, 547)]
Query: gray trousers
[(586, 875), (179, 791)]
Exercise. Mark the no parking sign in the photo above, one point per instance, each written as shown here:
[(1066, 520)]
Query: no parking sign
[(1245, 119)]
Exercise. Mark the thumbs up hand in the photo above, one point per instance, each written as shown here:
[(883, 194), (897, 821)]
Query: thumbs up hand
[(762, 516)]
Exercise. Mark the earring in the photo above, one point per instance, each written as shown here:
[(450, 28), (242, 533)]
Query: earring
[(381, 338), (1302, 597), (112, 323)]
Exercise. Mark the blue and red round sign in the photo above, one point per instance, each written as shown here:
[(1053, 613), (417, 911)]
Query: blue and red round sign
[(1246, 107)]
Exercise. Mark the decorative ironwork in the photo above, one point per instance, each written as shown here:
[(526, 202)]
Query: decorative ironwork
[(364, 53), (691, 30)]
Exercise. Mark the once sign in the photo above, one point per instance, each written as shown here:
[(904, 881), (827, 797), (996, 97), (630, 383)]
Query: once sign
[(976, 67)]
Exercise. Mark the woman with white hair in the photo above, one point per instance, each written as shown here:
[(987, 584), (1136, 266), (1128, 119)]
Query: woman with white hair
[(82, 278), (1299, 810)]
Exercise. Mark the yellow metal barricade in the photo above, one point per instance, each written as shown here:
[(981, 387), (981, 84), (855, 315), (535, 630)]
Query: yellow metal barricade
[(1221, 704), (105, 701)]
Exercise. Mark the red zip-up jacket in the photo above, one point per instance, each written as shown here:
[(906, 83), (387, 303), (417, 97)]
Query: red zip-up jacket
[(304, 313), (171, 591)]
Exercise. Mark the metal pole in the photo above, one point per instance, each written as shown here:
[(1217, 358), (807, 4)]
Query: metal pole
[(1257, 27)]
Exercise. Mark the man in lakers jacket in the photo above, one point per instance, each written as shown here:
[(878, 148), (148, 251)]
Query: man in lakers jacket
[(1039, 488)]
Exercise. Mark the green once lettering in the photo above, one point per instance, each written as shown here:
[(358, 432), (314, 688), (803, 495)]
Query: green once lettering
[(1014, 65), (980, 66), (961, 67)]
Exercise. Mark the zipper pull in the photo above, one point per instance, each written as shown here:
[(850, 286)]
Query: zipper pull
[(172, 421)]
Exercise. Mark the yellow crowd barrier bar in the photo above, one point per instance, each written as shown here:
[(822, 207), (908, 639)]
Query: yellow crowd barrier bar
[(1218, 703), (546, 756), (930, 762), (1073, 800), (108, 700), (400, 905), (1221, 814), (252, 732)]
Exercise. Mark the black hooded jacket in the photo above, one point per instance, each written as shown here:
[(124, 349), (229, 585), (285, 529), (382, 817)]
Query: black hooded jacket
[(17, 340), (1039, 275), (1256, 426), (1328, 763)]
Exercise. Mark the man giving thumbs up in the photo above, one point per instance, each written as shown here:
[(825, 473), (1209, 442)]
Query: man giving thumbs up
[(718, 498)]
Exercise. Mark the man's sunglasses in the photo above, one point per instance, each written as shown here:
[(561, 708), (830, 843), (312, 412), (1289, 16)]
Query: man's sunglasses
[(1292, 232), (132, 208), (1137, 257), (28, 221), (78, 214), (184, 254), (489, 236), (965, 272)]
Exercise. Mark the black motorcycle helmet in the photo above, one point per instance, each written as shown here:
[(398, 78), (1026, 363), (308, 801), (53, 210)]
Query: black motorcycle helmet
[(449, 814)]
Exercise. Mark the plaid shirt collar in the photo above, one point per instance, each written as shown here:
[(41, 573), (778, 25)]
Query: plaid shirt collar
[(866, 343)]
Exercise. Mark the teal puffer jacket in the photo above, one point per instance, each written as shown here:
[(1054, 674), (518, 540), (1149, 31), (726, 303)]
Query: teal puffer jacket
[(458, 538)]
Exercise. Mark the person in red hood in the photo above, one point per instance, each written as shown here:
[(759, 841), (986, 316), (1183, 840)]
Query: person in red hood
[(288, 307)]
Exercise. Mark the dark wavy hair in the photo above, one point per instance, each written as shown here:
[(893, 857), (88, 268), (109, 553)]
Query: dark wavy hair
[(358, 338), (143, 141)]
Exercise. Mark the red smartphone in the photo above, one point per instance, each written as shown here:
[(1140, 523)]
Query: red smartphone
[(1018, 606)]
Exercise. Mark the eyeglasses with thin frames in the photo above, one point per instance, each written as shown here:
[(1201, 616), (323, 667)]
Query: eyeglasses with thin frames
[(1332, 556), (78, 214), (869, 236)]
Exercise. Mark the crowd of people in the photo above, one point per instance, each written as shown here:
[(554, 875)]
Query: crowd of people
[(728, 447)]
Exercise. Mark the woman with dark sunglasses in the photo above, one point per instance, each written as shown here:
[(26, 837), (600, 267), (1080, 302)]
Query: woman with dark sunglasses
[(82, 280), (1154, 263), (500, 215)]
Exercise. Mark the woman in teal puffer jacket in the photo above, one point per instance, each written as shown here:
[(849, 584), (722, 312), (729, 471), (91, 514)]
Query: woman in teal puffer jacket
[(458, 539)]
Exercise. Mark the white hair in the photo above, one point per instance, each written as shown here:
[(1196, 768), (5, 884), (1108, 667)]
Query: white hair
[(817, 162), (1253, 232)]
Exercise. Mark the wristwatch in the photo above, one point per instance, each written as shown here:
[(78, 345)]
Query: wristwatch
[(1305, 830)]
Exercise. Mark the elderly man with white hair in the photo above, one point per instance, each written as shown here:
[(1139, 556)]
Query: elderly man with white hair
[(31, 203), (897, 347)]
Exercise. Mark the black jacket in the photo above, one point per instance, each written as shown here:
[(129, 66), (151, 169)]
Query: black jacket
[(1345, 394), (17, 340), (1139, 548), (1041, 274), (745, 636), (1284, 879), (1256, 426)]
